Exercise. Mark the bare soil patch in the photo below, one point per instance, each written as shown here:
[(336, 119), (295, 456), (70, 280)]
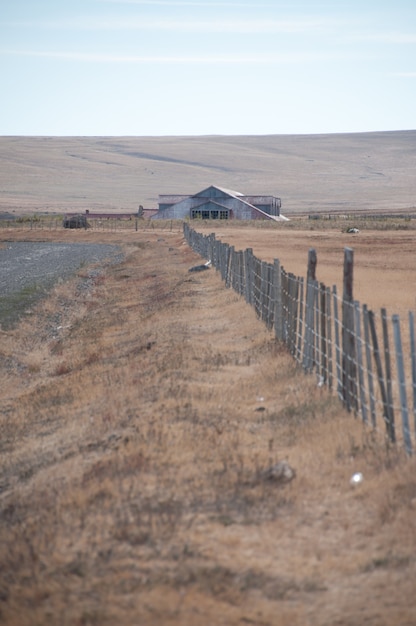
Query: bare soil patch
[(137, 418)]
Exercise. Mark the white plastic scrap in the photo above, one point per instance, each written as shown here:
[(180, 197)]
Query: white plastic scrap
[(356, 479)]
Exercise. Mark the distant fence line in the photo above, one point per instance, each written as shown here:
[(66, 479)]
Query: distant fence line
[(367, 358), (96, 224), (359, 216)]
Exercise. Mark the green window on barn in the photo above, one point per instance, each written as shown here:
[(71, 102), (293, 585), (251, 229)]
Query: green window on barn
[(209, 214)]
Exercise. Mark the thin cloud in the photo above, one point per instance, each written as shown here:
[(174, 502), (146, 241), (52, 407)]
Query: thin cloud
[(236, 26), (395, 38), (405, 74), (189, 3), (265, 59), (224, 4)]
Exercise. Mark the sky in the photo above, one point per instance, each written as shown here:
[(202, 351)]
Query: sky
[(201, 67)]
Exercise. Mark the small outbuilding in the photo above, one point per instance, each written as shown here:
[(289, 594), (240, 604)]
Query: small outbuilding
[(216, 203), (75, 221)]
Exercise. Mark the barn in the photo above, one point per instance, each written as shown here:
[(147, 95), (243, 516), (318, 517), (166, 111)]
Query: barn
[(216, 203)]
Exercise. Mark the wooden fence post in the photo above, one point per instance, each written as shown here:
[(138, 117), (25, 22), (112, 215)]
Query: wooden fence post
[(248, 255), (337, 342), (285, 304), (211, 247), (312, 261), (295, 313), (292, 309), (309, 344), (317, 331), (242, 273), (361, 382), (329, 336), (379, 368), (402, 384), (349, 370), (389, 389), (240, 276), (370, 376), (224, 260), (228, 274), (300, 325), (234, 269), (263, 291), (289, 311), (257, 285), (237, 271), (413, 362), (270, 297), (323, 329), (277, 282)]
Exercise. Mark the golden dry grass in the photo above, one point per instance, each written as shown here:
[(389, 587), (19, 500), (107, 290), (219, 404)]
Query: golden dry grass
[(384, 258), (137, 417), (336, 173)]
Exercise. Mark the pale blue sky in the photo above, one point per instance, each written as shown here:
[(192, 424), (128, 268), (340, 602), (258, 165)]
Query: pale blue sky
[(133, 67)]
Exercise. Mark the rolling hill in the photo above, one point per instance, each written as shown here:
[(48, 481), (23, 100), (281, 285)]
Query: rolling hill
[(337, 173)]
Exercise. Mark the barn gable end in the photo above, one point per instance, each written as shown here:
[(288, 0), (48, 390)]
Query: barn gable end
[(218, 203)]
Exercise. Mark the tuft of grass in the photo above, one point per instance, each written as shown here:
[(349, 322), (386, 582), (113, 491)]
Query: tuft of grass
[(14, 306)]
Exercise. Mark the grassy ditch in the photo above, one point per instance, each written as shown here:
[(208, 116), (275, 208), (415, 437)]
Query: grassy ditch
[(13, 306), (138, 420)]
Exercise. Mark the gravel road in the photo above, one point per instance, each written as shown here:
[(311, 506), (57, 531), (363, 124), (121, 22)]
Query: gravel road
[(29, 269)]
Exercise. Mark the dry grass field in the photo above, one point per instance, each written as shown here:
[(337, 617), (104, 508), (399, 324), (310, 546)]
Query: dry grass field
[(384, 254), (140, 409), (141, 405), (310, 173)]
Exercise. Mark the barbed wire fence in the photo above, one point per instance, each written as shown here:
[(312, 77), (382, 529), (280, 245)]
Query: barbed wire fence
[(368, 359)]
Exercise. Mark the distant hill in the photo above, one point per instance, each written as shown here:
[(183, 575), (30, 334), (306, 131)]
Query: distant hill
[(339, 173)]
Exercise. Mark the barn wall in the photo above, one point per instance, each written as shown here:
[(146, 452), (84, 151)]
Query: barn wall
[(268, 204), (239, 207)]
